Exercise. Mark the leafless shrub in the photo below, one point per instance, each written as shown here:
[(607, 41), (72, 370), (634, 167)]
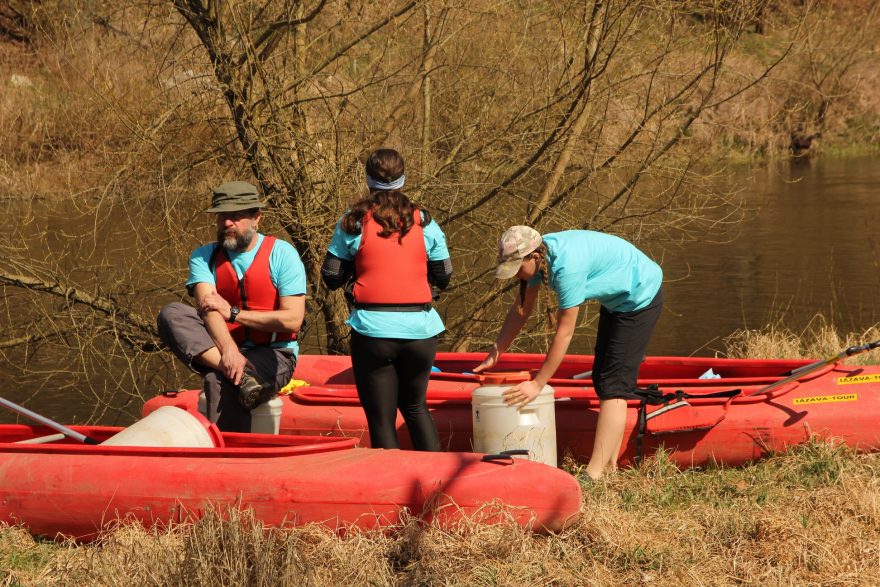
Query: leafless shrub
[(562, 115)]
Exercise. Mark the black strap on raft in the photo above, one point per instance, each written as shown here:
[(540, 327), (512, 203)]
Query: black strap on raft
[(505, 455), (652, 396), (394, 307)]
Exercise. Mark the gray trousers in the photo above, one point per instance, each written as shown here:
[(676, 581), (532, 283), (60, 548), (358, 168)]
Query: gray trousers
[(185, 333)]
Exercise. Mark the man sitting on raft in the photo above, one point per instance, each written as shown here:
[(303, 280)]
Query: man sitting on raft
[(249, 291)]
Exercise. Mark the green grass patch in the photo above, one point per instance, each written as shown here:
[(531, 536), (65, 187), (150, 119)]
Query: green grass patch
[(20, 554)]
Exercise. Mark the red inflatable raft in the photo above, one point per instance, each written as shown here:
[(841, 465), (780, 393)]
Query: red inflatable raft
[(833, 401), (73, 489)]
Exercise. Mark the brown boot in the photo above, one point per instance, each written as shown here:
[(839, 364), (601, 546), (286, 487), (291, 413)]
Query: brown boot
[(250, 390)]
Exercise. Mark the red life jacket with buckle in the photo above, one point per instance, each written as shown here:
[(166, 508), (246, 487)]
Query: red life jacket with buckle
[(391, 271), (255, 291)]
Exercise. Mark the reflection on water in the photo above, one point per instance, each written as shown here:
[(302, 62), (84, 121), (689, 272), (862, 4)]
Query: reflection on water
[(812, 248)]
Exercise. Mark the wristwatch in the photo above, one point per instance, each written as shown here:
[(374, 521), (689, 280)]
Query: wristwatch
[(233, 314)]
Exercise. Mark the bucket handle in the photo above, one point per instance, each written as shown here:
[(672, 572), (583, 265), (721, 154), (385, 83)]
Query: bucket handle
[(505, 455)]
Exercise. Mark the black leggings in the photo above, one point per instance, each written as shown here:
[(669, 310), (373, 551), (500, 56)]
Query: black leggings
[(392, 374)]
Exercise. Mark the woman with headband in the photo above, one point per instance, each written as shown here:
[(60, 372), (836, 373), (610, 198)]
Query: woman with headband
[(582, 265), (391, 253)]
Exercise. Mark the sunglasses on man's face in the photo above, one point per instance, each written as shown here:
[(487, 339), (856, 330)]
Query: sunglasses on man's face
[(234, 216)]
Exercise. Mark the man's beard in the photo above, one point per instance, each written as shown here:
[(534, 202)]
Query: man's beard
[(237, 242)]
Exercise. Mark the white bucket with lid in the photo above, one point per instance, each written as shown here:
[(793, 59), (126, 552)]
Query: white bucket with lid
[(169, 426), (499, 427), (265, 418)]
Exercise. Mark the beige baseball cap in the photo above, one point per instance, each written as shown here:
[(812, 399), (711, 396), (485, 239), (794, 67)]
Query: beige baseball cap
[(516, 243)]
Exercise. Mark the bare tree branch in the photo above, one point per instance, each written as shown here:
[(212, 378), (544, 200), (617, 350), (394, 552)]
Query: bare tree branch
[(102, 304)]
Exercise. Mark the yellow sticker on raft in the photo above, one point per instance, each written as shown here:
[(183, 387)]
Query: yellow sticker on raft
[(858, 379), (826, 399)]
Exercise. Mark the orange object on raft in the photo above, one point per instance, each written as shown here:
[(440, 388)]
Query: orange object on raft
[(834, 401), (65, 488)]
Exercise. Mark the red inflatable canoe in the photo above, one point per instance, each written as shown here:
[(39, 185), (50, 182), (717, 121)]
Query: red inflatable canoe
[(73, 489), (833, 401)]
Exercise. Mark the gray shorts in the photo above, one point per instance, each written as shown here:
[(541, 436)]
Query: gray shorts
[(185, 333)]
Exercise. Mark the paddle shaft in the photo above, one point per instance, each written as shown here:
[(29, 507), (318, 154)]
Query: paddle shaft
[(800, 372), (47, 422)]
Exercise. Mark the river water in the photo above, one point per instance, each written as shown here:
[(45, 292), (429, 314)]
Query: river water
[(811, 248), (808, 248)]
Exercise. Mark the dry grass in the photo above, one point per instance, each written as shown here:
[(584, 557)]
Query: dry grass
[(819, 339), (807, 518)]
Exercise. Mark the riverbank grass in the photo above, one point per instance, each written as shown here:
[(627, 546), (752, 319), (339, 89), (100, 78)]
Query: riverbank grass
[(819, 340)]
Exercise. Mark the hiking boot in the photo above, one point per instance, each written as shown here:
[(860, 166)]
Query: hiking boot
[(250, 390)]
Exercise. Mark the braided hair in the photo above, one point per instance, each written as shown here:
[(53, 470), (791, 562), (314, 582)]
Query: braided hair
[(542, 267)]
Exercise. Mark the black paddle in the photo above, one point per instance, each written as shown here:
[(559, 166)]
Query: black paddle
[(801, 371), (47, 422)]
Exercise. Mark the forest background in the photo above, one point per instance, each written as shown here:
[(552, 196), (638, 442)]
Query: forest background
[(116, 118)]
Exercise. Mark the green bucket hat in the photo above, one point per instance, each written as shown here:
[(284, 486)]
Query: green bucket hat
[(234, 196)]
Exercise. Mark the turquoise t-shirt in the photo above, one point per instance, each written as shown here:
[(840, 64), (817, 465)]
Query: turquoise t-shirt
[(285, 270), (378, 324), (587, 265)]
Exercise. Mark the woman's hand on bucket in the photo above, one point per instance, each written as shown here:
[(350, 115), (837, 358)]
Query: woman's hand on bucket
[(522, 393), (489, 361)]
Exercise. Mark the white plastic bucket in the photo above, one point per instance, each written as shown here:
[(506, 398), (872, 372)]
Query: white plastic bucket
[(169, 426), (265, 418), (499, 427)]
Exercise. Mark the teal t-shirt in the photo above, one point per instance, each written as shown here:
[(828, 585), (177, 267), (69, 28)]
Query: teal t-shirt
[(378, 324), (587, 265), (285, 270)]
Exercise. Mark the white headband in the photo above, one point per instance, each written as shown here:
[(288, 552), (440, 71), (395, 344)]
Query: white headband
[(375, 184)]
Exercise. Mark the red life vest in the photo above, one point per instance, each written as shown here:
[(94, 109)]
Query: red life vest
[(254, 292), (391, 271)]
